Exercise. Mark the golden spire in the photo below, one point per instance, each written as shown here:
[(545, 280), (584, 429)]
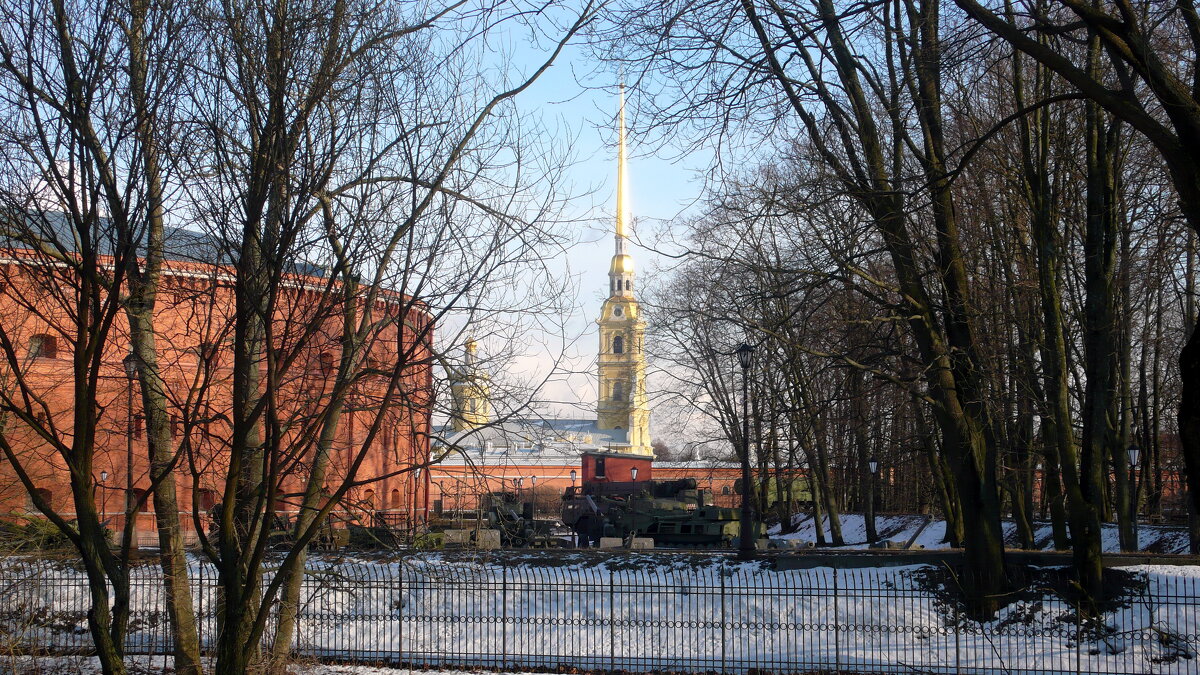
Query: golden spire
[(621, 271), (621, 172)]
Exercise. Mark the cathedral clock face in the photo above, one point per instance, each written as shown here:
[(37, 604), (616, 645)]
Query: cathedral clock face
[(616, 311)]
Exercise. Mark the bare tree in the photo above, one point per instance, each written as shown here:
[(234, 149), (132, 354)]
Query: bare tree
[(336, 137), (1149, 51), (88, 98)]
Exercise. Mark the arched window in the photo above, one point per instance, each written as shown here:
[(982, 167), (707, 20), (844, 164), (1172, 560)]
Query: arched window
[(628, 285), (139, 499), (208, 498), (45, 494), (42, 346), (618, 391), (368, 500), (394, 500), (725, 489), (618, 345), (325, 363)]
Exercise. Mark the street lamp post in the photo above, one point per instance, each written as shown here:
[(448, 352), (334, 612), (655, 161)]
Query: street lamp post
[(1133, 453), (745, 355), (416, 495), (103, 496), (872, 466), (574, 475), (633, 473), (130, 363)]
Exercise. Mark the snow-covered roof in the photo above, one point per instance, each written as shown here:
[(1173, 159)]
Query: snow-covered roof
[(696, 464), (529, 441)]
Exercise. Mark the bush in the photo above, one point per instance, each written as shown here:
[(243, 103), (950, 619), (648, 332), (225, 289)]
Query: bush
[(38, 534)]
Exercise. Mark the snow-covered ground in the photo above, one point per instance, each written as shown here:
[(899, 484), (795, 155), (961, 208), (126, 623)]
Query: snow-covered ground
[(1151, 538), (154, 665), (676, 612)]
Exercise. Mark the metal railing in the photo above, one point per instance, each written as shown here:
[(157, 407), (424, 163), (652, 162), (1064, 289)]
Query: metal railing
[(687, 613)]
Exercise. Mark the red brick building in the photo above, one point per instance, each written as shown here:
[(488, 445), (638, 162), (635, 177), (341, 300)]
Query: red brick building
[(387, 418)]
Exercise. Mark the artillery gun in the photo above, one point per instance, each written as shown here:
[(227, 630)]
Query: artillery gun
[(673, 513), (514, 519)]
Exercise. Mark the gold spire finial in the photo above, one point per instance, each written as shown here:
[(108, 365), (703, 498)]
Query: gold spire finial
[(621, 170)]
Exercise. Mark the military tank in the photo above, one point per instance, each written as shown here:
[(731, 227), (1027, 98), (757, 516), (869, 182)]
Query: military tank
[(672, 513)]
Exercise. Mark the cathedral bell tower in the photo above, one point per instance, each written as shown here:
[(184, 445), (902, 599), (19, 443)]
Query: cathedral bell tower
[(470, 391), (622, 404)]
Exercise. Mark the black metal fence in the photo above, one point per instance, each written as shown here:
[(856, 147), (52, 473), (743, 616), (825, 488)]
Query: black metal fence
[(688, 613)]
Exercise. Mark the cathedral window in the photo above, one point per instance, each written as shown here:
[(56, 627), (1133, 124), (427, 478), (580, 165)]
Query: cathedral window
[(618, 345), (628, 285), (618, 391)]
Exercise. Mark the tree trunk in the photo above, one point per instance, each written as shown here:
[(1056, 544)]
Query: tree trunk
[(140, 314), (1099, 352), (858, 421), (289, 593), (163, 462), (967, 416)]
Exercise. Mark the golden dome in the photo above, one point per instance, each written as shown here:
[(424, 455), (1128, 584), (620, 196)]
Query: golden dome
[(621, 264)]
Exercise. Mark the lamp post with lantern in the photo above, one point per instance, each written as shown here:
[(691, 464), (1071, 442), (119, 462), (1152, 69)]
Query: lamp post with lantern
[(872, 467), (103, 496), (416, 497), (1133, 453), (746, 539), (130, 363)]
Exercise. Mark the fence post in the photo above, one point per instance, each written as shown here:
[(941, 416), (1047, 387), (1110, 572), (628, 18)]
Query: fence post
[(958, 631), (504, 616), (837, 624), (200, 605), (723, 618), (399, 656), (612, 624), (1079, 636)]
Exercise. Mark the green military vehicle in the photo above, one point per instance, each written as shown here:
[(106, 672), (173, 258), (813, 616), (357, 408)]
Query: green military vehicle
[(672, 513)]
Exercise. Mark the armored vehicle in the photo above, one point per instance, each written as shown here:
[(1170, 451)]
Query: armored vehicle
[(673, 513)]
